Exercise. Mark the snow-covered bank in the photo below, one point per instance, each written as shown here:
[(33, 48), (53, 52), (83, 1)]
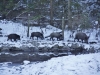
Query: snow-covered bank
[(26, 44), (88, 64)]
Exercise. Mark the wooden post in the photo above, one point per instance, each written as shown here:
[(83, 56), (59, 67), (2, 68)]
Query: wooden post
[(28, 26)]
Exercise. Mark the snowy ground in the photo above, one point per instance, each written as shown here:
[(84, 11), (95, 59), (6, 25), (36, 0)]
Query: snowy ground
[(10, 27), (88, 64)]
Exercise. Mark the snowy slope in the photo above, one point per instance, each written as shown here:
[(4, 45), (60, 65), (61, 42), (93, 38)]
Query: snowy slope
[(10, 27)]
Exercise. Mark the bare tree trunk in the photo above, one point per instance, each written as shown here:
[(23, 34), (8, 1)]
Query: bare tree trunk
[(69, 15), (4, 4), (51, 12), (63, 26), (28, 26)]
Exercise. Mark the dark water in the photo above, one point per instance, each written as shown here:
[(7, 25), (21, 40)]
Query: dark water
[(19, 57)]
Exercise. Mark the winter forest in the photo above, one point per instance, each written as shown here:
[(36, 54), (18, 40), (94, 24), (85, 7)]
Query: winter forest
[(82, 14), (50, 37)]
